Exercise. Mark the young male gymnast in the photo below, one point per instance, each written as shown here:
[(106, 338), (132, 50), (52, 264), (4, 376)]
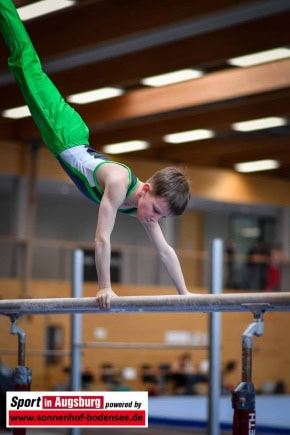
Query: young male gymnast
[(110, 184)]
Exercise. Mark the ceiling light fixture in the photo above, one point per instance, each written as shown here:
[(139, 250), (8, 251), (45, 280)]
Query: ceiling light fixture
[(43, 7), (260, 57), (257, 165), (188, 136), (172, 77), (16, 112), (126, 147), (95, 95), (259, 124)]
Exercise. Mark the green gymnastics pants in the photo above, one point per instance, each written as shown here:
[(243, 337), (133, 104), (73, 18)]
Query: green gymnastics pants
[(60, 126)]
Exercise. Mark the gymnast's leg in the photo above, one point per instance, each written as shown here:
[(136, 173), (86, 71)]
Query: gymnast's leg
[(60, 126)]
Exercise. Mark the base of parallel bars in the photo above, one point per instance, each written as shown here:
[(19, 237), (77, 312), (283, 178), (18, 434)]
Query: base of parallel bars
[(23, 379), (243, 403), (244, 422)]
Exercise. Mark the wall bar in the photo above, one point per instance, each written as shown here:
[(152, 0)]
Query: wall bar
[(152, 346), (204, 303), (107, 345)]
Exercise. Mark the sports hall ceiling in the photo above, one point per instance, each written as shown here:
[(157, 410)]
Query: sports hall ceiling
[(99, 43)]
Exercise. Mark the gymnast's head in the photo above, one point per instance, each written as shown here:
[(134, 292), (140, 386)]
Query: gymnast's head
[(166, 193)]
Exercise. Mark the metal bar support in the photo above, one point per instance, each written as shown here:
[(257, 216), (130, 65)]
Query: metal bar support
[(243, 396), (76, 326), (214, 345), (23, 375)]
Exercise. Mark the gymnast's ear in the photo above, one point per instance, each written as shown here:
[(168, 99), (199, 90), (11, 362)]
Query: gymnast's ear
[(146, 188)]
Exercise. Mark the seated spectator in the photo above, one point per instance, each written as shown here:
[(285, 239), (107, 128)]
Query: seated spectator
[(150, 378), (229, 368), (183, 375), (108, 375), (121, 383), (274, 275), (87, 379), (257, 265)]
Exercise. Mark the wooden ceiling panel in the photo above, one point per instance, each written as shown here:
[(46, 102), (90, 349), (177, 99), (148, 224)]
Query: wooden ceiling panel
[(226, 151), (198, 51), (131, 35), (217, 117), (231, 86), (92, 22)]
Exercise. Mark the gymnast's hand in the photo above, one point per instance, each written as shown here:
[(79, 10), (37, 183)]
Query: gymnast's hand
[(104, 297)]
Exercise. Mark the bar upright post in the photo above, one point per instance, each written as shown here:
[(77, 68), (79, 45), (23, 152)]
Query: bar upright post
[(243, 396), (23, 375), (76, 325), (214, 340)]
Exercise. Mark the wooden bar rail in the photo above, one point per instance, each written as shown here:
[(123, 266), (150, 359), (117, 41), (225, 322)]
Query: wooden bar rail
[(230, 302)]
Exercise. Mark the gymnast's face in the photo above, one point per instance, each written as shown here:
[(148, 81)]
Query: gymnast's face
[(151, 208)]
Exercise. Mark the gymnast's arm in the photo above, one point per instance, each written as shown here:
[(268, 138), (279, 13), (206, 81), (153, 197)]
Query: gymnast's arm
[(106, 221), (167, 255)]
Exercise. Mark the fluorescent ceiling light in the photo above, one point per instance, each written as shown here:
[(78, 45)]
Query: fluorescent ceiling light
[(95, 95), (16, 112), (126, 147), (43, 7), (188, 136), (173, 77), (260, 57), (259, 124), (257, 165)]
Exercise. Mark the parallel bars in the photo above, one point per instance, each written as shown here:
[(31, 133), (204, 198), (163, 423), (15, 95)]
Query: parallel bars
[(204, 303)]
